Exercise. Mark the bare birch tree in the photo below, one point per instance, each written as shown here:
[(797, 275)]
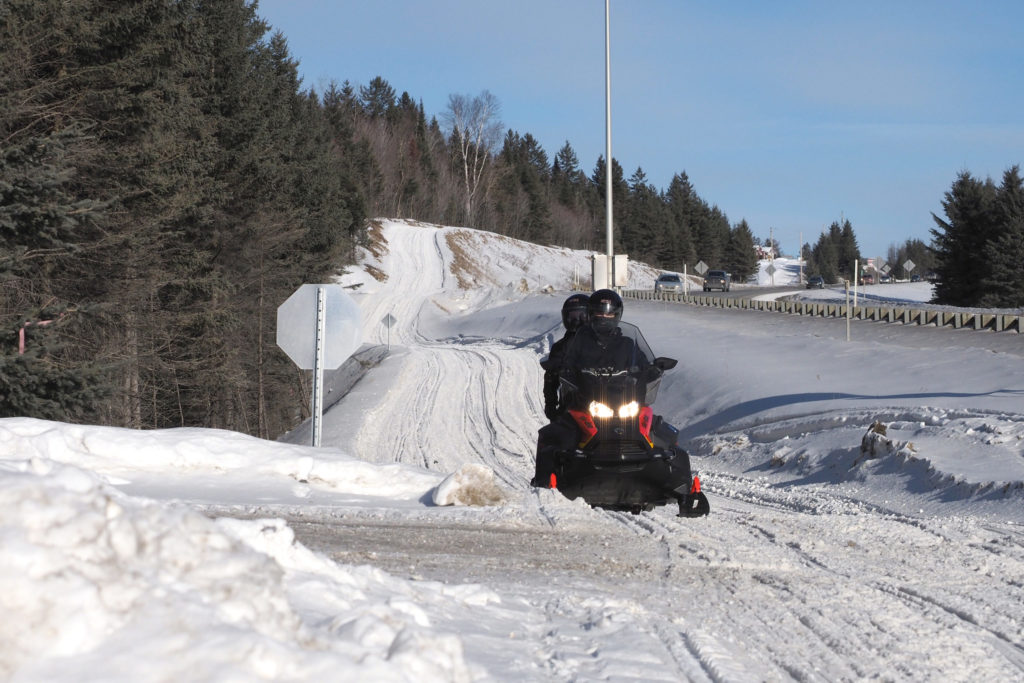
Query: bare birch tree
[(476, 127)]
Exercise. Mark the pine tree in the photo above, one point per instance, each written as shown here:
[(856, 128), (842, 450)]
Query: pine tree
[(644, 223), (1004, 252), (47, 225), (825, 257), (684, 207), (712, 236), (960, 241), (620, 191), (566, 176), (847, 251), (377, 99), (741, 259)]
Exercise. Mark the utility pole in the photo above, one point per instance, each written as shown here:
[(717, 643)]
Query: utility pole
[(608, 142), (800, 255)]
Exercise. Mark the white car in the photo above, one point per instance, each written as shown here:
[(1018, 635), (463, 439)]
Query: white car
[(668, 282)]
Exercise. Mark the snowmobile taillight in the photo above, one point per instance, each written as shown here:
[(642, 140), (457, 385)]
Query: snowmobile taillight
[(693, 489), (553, 483), (646, 420), (588, 430)]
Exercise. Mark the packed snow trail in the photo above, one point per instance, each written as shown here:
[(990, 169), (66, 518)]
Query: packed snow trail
[(415, 426)]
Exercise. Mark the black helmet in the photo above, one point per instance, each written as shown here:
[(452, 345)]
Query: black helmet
[(605, 310), (574, 312)]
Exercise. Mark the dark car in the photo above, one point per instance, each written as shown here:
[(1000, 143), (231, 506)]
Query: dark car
[(668, 282), (915, 278), (717, 279), (815, 282)]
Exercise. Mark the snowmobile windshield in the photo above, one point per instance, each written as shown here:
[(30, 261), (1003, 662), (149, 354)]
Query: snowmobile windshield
[(625, 351), (613, 368)]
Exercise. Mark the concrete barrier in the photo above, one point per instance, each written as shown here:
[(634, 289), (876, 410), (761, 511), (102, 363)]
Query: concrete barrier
[(996, 322)]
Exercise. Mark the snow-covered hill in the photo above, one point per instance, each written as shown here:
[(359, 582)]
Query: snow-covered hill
[(866, 507)]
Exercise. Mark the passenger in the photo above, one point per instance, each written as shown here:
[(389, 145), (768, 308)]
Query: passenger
[(574, 316)]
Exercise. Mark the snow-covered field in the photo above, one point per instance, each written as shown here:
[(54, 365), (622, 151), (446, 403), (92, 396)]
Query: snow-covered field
[(411, 548)]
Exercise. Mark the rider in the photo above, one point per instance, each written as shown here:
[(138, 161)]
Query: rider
[(599, 344), (574, 316)]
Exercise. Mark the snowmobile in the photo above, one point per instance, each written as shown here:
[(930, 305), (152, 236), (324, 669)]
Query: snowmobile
[(626, 457)]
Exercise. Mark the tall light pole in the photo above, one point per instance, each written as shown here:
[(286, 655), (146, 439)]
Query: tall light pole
[(608, 142)]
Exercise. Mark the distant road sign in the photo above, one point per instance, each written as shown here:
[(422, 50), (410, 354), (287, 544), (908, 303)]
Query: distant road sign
[(701, 267)]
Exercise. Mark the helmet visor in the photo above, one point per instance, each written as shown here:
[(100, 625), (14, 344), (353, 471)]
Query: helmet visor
[(574, 318)]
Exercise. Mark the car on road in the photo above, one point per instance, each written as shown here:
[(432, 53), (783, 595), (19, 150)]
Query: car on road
[(717, 279), (915, 278), (668, 282), (884, 279), (815, 282)]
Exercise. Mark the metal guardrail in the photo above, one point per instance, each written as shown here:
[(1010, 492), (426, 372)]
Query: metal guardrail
[(996, 322)]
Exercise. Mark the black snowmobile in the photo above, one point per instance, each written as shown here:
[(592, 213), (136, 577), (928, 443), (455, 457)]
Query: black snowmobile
[(626, 457)]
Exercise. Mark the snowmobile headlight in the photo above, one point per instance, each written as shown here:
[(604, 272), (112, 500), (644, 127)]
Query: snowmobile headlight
[(631, 409), (600, 410)]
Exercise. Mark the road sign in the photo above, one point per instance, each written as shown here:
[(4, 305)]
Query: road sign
[(296, 326), (389, 322), (701, 267), (318, 327), (909, 265), (770, 269)]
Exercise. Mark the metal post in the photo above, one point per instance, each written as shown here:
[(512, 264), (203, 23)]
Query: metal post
[(318, 365), (856, 279), (847, 310), (800, 256), (608, 142)]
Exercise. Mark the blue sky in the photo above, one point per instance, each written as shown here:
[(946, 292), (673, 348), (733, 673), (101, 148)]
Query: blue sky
[(789, 114)]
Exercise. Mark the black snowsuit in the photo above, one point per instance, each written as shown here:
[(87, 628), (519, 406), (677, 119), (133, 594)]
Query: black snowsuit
[(552, 369), (587, 350), (605, 353)]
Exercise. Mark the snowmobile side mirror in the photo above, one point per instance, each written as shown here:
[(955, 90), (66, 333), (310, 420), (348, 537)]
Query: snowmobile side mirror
[(664, 364)]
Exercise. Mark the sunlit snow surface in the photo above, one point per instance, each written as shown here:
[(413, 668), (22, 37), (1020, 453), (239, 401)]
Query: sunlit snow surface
[(833, 552)]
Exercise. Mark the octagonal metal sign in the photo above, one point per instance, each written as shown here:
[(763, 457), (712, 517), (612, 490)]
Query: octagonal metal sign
[(297, 325)]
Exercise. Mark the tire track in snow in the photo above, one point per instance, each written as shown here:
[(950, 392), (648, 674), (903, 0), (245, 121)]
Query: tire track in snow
[(473, 424), (778, 576)]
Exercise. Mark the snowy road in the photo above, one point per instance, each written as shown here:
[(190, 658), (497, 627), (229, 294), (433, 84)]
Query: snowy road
[(810, 575)]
